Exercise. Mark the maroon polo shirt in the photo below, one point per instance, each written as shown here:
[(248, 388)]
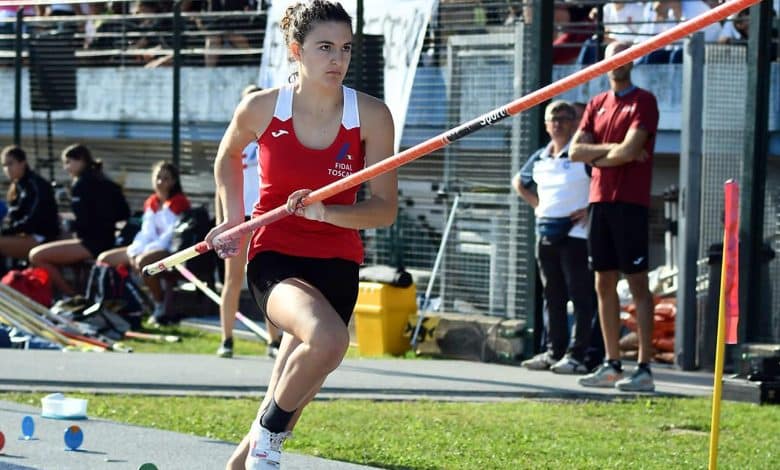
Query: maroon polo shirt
[(608, 118)]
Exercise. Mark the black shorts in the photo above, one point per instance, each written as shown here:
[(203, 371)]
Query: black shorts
[(336, 279), (618, 237)]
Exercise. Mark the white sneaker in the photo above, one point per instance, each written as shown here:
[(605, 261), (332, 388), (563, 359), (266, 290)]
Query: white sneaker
[(265, 447), (569, 365), (541, 361), (226, 349)]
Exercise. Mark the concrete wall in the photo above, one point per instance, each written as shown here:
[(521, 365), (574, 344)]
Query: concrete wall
[(142, 95)]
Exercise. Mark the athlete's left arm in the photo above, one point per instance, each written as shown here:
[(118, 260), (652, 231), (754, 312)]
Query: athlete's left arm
[(381, 205)]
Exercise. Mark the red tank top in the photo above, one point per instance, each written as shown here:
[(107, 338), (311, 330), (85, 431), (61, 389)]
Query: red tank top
[(287, 165)]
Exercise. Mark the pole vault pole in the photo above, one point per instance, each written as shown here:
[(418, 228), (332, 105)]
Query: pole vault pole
[(488, 119), (203, 287)]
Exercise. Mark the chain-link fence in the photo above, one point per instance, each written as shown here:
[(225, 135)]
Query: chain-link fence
[(725, 93), (141, 81), (475, 59)]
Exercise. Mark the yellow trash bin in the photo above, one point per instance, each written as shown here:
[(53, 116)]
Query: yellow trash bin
[(381, 314)]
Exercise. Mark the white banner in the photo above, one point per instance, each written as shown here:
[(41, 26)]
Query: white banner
[(402, 23)]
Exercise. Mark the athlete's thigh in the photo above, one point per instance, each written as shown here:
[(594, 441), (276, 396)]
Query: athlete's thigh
[(302, 310)]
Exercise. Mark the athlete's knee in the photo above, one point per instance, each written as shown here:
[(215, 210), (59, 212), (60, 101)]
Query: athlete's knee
[(37, 256), (330, 345)]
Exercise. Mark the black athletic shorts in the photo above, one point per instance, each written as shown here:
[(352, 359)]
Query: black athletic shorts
[(618, 237), (336, 279)]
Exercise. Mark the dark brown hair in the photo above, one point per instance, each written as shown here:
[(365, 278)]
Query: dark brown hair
[(14, 151), (249, 89), (18, 154), (173, 171), (81, 152), (299, 19)]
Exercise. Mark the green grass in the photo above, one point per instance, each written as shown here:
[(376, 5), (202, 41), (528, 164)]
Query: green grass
[(193, 341), (197, 341), (643, 433)]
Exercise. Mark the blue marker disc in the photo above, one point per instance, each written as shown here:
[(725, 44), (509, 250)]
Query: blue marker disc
[(28, 427), (73, 437)]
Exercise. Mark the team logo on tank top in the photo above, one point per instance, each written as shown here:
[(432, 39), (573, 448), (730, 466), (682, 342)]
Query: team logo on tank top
[(342, 166)]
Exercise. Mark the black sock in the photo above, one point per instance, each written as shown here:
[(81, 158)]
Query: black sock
[(228, 343), (276, 419), (616, 364), (645, 366)]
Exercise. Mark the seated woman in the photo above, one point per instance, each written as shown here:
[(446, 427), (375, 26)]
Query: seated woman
[(97, 204), (153, 242), (32, 210)]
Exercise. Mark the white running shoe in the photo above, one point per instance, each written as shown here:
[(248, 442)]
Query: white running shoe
[(541, 361), (226, 349), (605, 376), (639, 381), (265, 448), (569, 365)]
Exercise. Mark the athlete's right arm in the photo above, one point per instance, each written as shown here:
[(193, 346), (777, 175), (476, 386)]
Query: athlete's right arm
[(250, 119)]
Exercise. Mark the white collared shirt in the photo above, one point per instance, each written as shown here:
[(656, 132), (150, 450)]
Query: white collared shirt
[(562, 187)]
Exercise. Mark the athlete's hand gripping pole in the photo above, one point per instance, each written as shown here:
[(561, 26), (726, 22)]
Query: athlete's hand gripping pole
[(435, 143)]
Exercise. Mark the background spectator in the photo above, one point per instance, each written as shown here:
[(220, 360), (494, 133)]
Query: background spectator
[(151, 33), (32, 211), (623, 21), (617, 137), (153, 242), (573, 28), (9, 27), (736, 28), (662, 16), (557, 189), (228, 31), (97, 204)]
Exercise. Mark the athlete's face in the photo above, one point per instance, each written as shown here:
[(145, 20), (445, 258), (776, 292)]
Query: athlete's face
[(325, 53), (13, 169)]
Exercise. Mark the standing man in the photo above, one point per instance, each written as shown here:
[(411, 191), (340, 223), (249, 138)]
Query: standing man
[(559, 200), (616, 137)]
